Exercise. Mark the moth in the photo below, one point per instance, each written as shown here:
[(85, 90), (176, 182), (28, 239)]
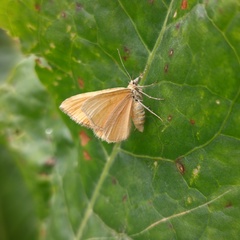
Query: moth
[(109, 112)]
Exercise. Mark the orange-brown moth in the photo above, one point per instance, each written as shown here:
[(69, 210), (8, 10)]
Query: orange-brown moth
[(109, 112)]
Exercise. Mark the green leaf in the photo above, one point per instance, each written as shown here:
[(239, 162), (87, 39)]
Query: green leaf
[(180, 178), (18, 217)]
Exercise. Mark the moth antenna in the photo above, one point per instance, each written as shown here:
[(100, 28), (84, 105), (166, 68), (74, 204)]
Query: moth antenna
[(123, 64)]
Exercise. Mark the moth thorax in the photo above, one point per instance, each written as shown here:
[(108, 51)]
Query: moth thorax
[(138, 115), (137, 96), (133, 84)]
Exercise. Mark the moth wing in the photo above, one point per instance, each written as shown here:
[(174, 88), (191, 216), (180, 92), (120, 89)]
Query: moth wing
[(118, 125), (73, 107), (99, 108)]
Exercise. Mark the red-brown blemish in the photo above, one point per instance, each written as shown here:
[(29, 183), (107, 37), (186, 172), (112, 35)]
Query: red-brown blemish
[(184, 4), (126, 50), (114, 180), (80, 83), (178, 26), (86, 155), (171, 52), (79, 7), (169, 118), (180, 166), (37, 7), (151, 1), (63, 14), (38, 61), (127, 53), (166, 68), (228, 205), (124, 198), (84, 138), (192, 121), (50, 162)]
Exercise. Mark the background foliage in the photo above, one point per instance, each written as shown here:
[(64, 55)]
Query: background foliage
[(177, 180)]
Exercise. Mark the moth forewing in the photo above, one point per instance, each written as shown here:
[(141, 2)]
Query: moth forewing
[(118, 125), (100, 107), (73, 108)]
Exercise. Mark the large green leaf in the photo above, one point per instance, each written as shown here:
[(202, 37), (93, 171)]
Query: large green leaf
[(180, 178)]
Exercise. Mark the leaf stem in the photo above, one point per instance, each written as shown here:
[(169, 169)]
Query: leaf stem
[(159, 40), (96, 191)]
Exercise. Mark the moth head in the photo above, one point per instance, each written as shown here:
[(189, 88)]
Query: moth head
[(135, 81)]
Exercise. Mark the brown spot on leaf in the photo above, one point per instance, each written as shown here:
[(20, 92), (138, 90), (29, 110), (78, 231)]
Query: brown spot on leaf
[(80, 83), (86, 155), (63, 14), (84, 138), (184, 4), (42, 64), (171, 52), (79, 7), (114, 180), (37, 7), (127, 53), (151, 1), (170, 117), (38, 61), (126, 50), (192, 121), (50, 162), (180, 165), (177, 26), (166, 68), (228, 205), (124, 198)]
